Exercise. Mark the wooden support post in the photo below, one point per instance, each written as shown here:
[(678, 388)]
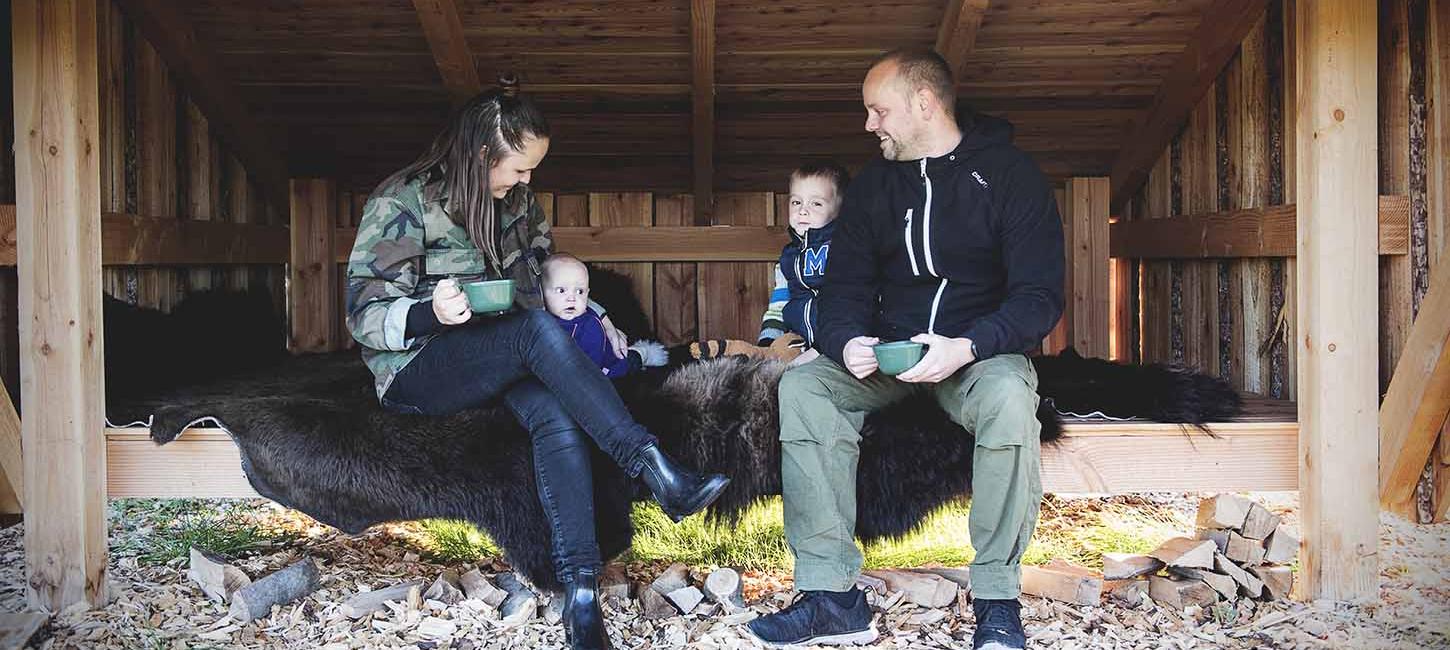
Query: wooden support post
[(1087, 205), (312, 275), (1418, 400), (702, 99), (1337, 295), (58, 183)]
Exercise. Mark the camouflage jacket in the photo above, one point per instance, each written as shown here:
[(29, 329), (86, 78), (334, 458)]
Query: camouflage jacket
[(406, 243)]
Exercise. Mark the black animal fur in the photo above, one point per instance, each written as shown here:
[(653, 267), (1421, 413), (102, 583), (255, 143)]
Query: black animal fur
[(313, 438)]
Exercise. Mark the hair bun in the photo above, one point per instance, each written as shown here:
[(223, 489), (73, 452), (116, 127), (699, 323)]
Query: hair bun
[(508, 82)]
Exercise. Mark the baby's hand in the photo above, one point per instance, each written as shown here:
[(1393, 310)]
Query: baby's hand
[(449, 303)]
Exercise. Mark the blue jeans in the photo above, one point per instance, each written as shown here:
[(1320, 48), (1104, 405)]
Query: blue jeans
[(553, 389)]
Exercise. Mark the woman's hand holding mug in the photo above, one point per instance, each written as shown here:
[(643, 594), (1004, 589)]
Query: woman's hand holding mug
[(450, 305)]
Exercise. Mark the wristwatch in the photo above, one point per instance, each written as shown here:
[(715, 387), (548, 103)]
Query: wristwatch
[(975, 356)]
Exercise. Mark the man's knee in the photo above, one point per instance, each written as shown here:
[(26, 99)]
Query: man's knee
[(1004, 409), (806, 396)]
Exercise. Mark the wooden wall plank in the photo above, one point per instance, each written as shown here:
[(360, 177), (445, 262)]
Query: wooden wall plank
[(1286, 356), (1248, 233), (677, 318), (312, 280), (1437, 157), (702, 108), (627, 209), (1087, 204), (1199, 279), (1338, 394), (1061, 335), (733, 295), (1157, 277), (156, 169), (1251, 282), (1394, 176), (571, 210), (58, 186)]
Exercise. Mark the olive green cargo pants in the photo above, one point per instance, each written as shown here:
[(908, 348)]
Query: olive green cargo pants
[(822, 408)]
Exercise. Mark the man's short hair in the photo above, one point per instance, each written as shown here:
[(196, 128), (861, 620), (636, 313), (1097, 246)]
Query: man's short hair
[(553, 262), (829, 170), (921, 68)]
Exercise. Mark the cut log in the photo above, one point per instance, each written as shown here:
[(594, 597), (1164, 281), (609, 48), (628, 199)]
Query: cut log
[(1124, 566), (614, 582), (962, 576), (16, 630), (445, 589), (1254, 588), (677, 576), (1222, 564), (1129, 593), (1218, 536), (1223, 511), (521, 606), (1246, 552), (924, 589), (1282, 547), (477, 587), (216, 578), (1278, 580), (723, 586), (255, 601), (1225, 586), (686, 599), (433, 627), (655, 604), (367, 602), (1260, 523), (1175, 592), (1184, 552), (1064, 582)]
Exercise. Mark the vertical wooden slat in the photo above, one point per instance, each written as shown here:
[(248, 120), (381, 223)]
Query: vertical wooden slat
[(627, 209), (571, 210), (1157, 277), (1199, 277), (702, 104), (733, 295), (676, 295), (1087, 205), (1437, 182), (1061, 335), (1394, 175), (58, 241), (235, 191), (111, 40), (1289, 281), (1250, 280), (199, 183), (1337, 260), (312, 276), (156, 162)]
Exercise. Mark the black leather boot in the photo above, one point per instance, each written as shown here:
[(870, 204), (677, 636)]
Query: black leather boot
[(680, 492), (583, 620)]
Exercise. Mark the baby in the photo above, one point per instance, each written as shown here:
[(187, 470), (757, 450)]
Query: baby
[(566, 296), (789, 323)]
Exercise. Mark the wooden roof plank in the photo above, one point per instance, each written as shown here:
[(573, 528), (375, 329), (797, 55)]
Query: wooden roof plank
[(1222, 27), (450, 48), (958, 34)]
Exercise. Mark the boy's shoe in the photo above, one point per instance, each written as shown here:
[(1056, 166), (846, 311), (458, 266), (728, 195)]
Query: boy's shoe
[(815, 618), (999, 625)]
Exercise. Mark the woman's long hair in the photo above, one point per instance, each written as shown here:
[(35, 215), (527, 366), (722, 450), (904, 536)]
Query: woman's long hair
[(496, 121)]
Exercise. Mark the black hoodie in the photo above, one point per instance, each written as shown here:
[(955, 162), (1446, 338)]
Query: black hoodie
[(965, 245)]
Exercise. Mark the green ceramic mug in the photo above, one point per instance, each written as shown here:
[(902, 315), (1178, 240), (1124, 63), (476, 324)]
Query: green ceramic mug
[(898, 356), (490, 296)]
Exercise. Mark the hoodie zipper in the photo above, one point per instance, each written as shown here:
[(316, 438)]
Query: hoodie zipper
[(926, 250), (910, 250), (801, 275)]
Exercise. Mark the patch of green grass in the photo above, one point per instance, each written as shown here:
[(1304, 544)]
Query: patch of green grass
[(159, 531), (940, 539), (454, 542), (757, 541)]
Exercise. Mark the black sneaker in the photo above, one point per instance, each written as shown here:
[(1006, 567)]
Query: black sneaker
[(999, 625), (815, 618)]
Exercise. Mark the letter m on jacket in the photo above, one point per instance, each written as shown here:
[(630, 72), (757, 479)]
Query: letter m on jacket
[(813, 261)]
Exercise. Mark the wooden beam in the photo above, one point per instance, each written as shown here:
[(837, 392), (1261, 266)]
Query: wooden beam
[(133, 240), (12, 467), (649, 244), (1095, 457), (957, 34), (58, 190), (1254, 232), (1087, 205), (702, 100), (450, 49), (1222, 27), (170, 32), (1337, 297), (1418, 400), (312, 277)]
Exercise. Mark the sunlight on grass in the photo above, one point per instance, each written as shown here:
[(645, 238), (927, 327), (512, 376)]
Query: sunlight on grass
[(757, 541), (452, 541), (158, 531)]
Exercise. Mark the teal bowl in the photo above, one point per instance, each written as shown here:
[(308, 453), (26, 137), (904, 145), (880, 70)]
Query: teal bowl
[(490, 296), (897, 357)]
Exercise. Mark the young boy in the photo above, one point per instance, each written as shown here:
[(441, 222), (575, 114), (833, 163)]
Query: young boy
[(789, 323), (566, 296)]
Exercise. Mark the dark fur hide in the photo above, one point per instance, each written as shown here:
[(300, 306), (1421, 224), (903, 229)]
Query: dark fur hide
[(313, 438)]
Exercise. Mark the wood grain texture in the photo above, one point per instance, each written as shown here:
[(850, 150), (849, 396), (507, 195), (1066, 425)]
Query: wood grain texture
[(1254, 232), (312, 271)]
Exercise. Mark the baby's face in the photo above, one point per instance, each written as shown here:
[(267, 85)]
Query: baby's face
[(566, 290), (813, 203)]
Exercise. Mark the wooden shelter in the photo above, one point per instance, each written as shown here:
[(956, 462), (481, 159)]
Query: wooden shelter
[(1257, 188)]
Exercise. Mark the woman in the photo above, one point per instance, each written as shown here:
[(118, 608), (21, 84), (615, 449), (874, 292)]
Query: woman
[(465, 209)]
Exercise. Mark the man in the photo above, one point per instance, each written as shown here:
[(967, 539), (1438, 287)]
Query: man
[(952, 240)]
